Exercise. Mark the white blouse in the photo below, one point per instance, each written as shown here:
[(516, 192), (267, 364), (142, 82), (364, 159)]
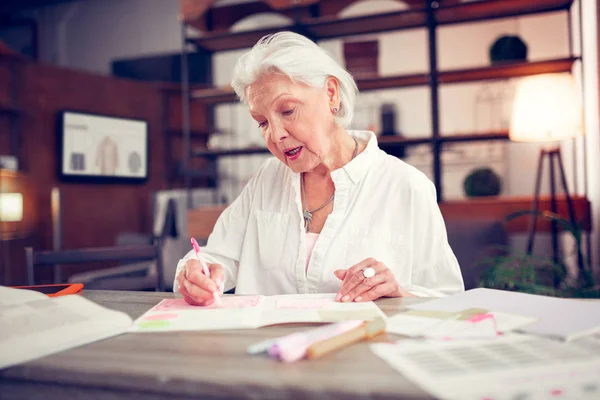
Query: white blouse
[(383, 208)]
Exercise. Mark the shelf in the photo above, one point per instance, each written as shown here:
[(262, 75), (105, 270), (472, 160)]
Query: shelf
[(214, 96), (194, 133), (474, 137), (229, 152), (494, 72), (332, 27), (388, 142), (493, 9), (385, 142), (395, 81), (315, 28), (222, 41), (504, 71), (508, 70)]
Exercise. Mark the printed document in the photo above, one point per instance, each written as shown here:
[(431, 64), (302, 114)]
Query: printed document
[(35, 325), (511, 367)]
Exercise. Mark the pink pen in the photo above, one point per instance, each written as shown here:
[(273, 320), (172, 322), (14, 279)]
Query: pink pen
[(205, 269)]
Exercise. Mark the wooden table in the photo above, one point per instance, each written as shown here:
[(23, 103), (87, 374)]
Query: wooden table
[(183, 365)]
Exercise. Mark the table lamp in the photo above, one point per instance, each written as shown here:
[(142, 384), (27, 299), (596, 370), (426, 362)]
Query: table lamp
[(547, 109), (11, 212), (11, 207), (16, 215)]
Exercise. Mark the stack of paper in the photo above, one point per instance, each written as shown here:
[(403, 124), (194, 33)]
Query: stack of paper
[(511, 367), (249, 312), (34, 325), (467, 324), (564, 319)]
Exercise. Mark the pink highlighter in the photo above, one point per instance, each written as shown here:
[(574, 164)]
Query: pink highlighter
[(293, 347), (205, 269)]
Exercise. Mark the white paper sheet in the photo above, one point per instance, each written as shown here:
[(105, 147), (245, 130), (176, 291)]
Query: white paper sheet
[(10, 296), (516, 367), (442, 329), (566, 319), (441, 325), (248, 312), (34, 325)]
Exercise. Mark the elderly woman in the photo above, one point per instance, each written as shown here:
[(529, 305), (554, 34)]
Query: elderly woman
[(331, 213)]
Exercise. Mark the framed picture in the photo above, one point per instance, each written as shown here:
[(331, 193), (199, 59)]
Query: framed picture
[(102, 148)]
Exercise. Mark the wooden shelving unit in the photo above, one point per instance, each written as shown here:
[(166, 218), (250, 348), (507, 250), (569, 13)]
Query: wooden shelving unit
[(496, 72), (229, 152), (332, 27), (429, 16), (485, 10), (385, 142), (507, 71)]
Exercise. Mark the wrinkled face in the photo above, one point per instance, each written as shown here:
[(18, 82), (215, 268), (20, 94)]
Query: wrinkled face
[(295, 119)]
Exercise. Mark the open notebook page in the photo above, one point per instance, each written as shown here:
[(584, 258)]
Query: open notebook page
[(248, 312)]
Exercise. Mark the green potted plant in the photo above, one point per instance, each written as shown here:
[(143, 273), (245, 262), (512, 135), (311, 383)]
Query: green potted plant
[(482, 182), (539, 274)]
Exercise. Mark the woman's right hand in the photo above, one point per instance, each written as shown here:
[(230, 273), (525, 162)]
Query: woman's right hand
[(198, 289)]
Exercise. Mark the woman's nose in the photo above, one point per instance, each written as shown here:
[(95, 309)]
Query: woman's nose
[(278, 133)]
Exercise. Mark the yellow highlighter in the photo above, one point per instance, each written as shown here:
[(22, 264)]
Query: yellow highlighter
[(365, 331)]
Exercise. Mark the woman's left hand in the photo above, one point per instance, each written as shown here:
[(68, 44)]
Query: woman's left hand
[(358, 286)]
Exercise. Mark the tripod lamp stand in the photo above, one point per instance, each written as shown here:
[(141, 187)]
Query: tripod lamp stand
[(547, 109)]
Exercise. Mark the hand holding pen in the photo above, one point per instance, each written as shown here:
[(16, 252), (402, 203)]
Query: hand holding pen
[(201, 283)]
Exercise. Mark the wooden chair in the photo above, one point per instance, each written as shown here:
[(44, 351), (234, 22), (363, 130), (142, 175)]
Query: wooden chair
[(132, 253)]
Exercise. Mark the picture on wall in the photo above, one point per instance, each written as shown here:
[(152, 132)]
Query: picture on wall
[(104, 148)]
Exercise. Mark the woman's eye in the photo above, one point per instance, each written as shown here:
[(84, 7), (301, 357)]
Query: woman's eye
[(288, 112), (262, 124)]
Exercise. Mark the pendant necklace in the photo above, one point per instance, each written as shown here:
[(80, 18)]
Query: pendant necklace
[(308, 214)]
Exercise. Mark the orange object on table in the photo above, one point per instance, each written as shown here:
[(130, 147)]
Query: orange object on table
[(54, 290)]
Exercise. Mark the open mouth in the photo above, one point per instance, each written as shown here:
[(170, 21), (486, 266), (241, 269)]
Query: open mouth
[(293, 153)]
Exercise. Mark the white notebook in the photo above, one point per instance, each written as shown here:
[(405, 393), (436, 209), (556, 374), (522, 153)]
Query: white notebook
[(565, 319), (35, 325), (251, 312)]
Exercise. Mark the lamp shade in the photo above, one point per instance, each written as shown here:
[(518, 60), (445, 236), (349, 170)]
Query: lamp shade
[(11, 207), (546, 108)]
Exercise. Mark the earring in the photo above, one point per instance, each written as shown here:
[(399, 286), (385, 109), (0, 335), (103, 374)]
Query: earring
[(335, 110)]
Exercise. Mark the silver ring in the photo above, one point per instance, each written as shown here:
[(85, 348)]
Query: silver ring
[(368, 272)]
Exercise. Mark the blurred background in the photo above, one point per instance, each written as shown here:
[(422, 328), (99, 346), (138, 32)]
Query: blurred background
[(118, 126)]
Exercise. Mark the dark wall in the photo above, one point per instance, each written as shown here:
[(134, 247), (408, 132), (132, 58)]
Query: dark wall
[(93, 214)]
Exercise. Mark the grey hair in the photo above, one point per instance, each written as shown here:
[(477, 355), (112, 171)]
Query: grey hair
[(301, 60)]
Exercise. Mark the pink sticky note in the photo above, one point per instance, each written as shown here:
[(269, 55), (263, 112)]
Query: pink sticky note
[(480, 317)]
